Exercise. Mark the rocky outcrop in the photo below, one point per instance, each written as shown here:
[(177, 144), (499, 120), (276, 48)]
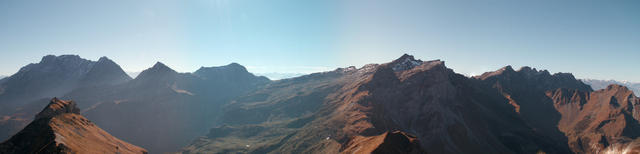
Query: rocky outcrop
[(59, 128), (57, 107)]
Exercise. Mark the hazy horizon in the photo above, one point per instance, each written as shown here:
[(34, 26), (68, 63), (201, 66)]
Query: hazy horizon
[(590, 39)]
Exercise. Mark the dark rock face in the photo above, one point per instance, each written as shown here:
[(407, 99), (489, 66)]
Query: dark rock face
[(60, 129)]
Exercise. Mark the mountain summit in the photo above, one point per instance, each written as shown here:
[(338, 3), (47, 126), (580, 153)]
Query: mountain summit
[(105, 71), (405, 62), (157, 71), (57, 107)]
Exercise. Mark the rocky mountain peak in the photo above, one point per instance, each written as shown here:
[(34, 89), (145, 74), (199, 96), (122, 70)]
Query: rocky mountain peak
[(507, 68), (501, 71), (160, 66), (405, 62), (527, 69), (106, 61), (533, 72), (618, 90), (71, 62), (48, 58), (105, 71), (57, 107), (233, 67), (234, 73), (104, 58), (617, 87), (159, 69), (53, 58)]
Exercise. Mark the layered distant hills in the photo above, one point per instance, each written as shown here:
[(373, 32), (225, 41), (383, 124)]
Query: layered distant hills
[(404, 106)]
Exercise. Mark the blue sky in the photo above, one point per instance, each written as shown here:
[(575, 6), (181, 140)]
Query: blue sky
[(591, 39)]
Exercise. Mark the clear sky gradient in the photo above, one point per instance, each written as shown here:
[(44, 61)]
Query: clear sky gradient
[(590, 38)]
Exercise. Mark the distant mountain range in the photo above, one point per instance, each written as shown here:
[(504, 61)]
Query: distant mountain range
[(22, 94), (601, 84), (403, 106), (158, 101)]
